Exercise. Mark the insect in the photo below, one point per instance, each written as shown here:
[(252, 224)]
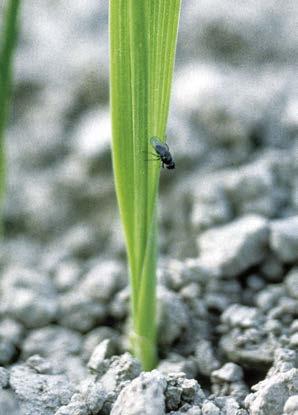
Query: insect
[(163, 153)]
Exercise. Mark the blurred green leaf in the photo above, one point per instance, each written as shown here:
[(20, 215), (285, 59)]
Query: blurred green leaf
[(8, 41)]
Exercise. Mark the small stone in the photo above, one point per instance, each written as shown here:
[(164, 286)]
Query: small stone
[(238, 315), (294, 326), (194, 410), (120, 370), (104, 350), (67, 275), (175, 363), (272, 393), (291, 406), (284, 360), (119, 306), (73, 408), (80, 312), (230, 372), (173, 397), (103, 280), (294, 340), (191, 391), (205, 357), (209, 408), (235, 247), (39, 364), (143, 396), (51, 342), (9, 403), (210, 204), (269, 297), (273, 326), (292, 283), (88, 400), (284, 238), (93, 394), (39, 393), (250, 188), (172, 316), (80, 241), (272, 269), (11, 334), (4, 376), (29, 297), (96, 336)]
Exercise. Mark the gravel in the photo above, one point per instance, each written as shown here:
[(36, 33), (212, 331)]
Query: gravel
[(284, 239), (143, 396), (28, 296), (39, 392), (227, 276), (248, 237), (11, 333)]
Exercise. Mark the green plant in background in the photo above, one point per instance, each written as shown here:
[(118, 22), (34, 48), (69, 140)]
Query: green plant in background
[(142, 50), (7, 44)]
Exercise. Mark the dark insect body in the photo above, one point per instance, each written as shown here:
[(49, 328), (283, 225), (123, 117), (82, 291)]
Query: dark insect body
[(163, 153)]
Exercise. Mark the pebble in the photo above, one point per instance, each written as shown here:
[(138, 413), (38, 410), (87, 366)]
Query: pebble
[(102, 281), (205, 357), (143, 396), (4, 376), (272, 269), (80, 312), (271, 394), (102, 351), (237, 315), (175, 363), (235, 247), (172, 316), (181, 392), (96, 336), (8, 402), (67, 275), (210, 205), (51, 342), (291, 406), (11, 334), (294, 341), (292, 283), (209, 408), (118, 371), (284, 238), (230, 372), (89, 400), (39, 393), (252, 189), (29, 297)]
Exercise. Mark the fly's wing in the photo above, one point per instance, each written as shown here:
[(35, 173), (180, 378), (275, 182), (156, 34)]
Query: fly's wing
[(155, 141)]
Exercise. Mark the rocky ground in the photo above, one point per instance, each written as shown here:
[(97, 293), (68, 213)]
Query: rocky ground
[(228, 274)]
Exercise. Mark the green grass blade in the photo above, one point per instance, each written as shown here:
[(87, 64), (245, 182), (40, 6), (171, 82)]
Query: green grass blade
[(8, 41), (143, 43)]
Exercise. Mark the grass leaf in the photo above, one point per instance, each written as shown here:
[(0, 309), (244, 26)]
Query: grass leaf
[(143, 43)]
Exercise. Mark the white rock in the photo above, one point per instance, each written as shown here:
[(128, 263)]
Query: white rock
[(291, 406), (28, 296), (272, 393), (235, 247), (284, 238), (292, 282), (143, 396)]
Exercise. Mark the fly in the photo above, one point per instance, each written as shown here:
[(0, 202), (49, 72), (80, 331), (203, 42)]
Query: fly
[(163, 153)]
